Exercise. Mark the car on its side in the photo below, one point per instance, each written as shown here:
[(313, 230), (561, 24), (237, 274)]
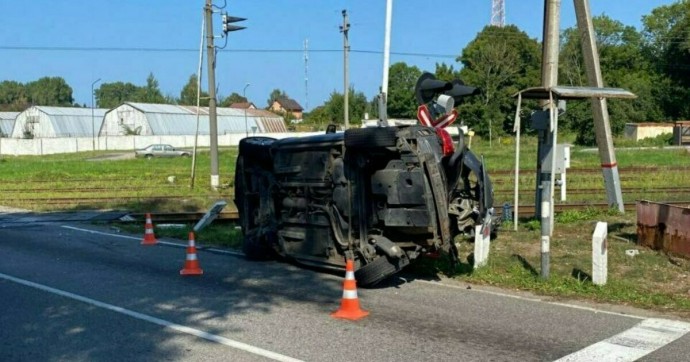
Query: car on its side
[(380, 196), (160, 150)]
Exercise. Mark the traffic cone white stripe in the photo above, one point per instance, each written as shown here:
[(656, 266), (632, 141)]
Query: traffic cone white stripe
[(349, 294), (191, 256), (349, 275)]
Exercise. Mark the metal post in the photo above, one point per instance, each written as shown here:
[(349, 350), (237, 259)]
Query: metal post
[(244, 95), (602, 126), (212, 115), (93, 131), (552, 10), (345, 28)]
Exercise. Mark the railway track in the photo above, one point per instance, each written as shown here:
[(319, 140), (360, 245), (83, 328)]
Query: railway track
[(233, 216)]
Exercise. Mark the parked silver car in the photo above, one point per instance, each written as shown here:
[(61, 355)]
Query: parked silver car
[(160, 150)]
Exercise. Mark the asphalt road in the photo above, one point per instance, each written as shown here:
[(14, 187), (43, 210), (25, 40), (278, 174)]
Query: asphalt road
[(70, 294)]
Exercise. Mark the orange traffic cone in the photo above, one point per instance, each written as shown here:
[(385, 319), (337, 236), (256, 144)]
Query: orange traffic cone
[(149, 237), (349, 306), (191, 264)]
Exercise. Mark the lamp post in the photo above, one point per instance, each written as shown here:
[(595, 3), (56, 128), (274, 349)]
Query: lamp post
[(246, 127), (93, 132)]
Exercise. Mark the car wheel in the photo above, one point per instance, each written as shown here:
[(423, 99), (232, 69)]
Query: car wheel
[(258, 149), (148, 157), (185, 155), (375, 272), (371, 137)]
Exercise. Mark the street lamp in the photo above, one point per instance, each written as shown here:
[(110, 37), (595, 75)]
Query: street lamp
[(246, 127), (93, 132)]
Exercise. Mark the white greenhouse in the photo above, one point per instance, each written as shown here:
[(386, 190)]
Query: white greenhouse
[(50, 122), (167, 119), (7, 123)]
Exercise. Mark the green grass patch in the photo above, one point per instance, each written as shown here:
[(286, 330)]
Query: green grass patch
[(221, 235)]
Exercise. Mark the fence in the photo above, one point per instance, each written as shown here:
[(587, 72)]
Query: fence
[(49, 146)]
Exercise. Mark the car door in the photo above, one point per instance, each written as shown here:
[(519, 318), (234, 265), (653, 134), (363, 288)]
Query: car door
[(157, 151), (168, 151)]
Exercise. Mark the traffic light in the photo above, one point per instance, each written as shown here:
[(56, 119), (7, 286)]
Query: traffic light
[(228, 27)]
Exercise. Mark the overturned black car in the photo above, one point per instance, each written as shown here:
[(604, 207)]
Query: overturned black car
[(381, 196)]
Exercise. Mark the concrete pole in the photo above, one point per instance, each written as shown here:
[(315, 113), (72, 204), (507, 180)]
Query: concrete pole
[(244, 95), (602, 126), (198, 99), (93, 132), (213, 119), (551, 41), (345, 28), (383, 97)]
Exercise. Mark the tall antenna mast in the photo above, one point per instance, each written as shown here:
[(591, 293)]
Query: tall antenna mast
[(498, 13), (306, 73)]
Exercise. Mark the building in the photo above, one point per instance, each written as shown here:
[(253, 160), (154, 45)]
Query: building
[(7, 120), (287, 105), (638, 131), (243, 105), (168, 119), (49, 122)]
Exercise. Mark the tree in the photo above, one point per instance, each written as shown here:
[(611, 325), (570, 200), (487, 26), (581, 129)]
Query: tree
[(13, 96), (111, 95), (446, 72), (501, 62), (189, 91), (150, 93), (49, 91), (234, 97), (401, 100), (275, 94), (624, 65), (667, 42), (334, 108)]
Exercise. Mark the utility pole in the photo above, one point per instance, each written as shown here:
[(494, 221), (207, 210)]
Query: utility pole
[(383, 95), (212, 115), (93, 132), (602, 126), (548, 134), (345, 28), (306, 74)]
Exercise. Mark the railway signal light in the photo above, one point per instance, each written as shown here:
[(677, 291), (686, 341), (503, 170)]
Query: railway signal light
[(227, 23)]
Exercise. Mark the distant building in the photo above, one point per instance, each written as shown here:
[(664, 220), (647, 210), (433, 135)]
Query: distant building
[(7, 120), (168, 119), (638, 131), (287, 105), (243, 105), (48, 122)]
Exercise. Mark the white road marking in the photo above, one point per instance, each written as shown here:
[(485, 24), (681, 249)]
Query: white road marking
[(159, 241), (161, 322), (536, 300), (635, 343)]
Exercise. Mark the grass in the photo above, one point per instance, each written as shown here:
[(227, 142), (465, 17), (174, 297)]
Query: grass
[(649, 280)]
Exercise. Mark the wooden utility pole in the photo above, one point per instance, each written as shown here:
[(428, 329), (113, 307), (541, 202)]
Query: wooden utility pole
[(602, 126), (345, 28), (212, 115)]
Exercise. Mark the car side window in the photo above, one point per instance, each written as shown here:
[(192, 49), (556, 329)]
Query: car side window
[(157, 148), (168, 148)]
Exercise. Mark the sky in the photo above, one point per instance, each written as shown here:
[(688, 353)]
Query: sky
[(125, 40)]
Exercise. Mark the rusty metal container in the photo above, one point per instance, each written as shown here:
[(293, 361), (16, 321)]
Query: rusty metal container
[(664, 227)]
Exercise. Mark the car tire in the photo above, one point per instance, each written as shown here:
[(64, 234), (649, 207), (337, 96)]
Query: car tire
[(371, 137), (258, 149), (376, 271), (148, 157)]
